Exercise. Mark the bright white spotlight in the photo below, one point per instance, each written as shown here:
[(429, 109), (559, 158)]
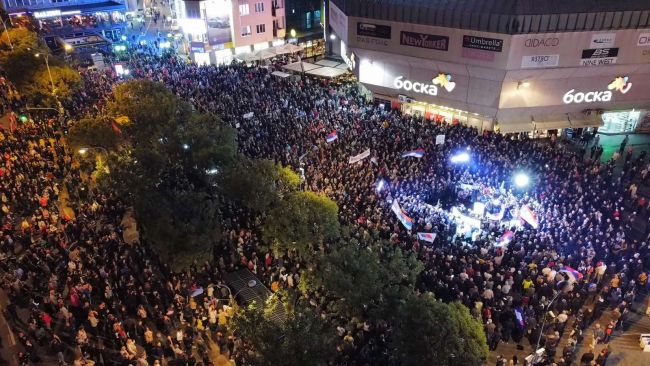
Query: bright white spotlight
[(186, 146), (460, 158), (521, 180), (380, 185)]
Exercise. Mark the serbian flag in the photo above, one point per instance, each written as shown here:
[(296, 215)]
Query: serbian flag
[(116, 128), (401, 215), (430, 237), (332, 136), (573, 274), (506, 238), (526, 214), (415, 153)]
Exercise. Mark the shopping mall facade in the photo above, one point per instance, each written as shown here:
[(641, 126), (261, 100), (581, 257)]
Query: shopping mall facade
[(579, 65)]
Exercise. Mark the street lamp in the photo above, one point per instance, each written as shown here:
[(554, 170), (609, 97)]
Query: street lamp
[(11, 45), (560, 287), (84, 150), (49, 72)]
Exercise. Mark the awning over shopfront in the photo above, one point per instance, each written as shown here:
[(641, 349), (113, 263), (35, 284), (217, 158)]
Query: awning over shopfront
[(280, 74), (550, 122), (318, 69), (515, 127)]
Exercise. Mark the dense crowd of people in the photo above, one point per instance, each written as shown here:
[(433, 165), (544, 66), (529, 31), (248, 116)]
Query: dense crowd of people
[(78, 291)]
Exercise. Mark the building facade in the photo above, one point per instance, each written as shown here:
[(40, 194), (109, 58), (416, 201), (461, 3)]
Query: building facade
[(305, 19), (219, 30), (60, 16), (512, 66)]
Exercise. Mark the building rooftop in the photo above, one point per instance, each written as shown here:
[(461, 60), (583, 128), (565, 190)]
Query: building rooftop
[(507, 16)]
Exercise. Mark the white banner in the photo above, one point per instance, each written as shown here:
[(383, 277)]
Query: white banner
[(248, 115), (357, 158), (440, 140), (535, 61)]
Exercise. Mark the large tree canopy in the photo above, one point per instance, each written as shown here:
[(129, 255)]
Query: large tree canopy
[(302, 221), (304, 338), (25, 66), (429, 332)]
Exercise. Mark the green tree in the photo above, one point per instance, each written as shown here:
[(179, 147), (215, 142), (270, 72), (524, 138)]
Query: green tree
[(94, 132), (429, 332), (303, 338), (370, 281), (148, 110), (39, 88), (20, 65), (166, 160), (302, 221), (258, 184)]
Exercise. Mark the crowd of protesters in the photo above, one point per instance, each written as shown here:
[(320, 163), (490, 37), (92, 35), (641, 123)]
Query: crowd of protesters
[(79, 293)]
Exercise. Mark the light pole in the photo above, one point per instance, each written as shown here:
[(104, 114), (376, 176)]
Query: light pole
[(561, 286), (11, 45), (49, 73)]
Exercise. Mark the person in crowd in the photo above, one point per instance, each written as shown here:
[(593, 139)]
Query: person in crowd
[(98, 298)]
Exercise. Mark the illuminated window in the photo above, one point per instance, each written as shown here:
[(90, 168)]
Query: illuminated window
[(243, 9), (246, 31)]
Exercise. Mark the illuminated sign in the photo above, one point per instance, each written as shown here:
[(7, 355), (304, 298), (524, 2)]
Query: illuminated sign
[(47, 13), (621, 84), (415, 86), (444, 80)]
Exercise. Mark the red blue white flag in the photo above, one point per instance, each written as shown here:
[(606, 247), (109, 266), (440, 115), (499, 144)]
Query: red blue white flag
[(401, 215), (332, 136), (415, 153)]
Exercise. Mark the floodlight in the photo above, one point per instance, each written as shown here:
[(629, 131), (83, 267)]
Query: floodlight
[(521, 180), (460, 158)]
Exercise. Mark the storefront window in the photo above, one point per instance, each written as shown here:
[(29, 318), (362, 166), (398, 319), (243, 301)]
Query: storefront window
[(620, 122)]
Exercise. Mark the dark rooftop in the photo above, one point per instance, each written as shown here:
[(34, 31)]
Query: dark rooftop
[(507, 16)]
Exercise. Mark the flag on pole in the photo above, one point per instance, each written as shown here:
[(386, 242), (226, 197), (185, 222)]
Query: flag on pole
[(401, 215), (573, 274), (430, 237), (332, 136), (506, 238), (529, 216), (415, 153)]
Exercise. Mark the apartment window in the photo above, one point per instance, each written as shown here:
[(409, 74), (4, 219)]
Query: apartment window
[(246, 31), (308, 20), (243, 9), (261, 28), (259, 7), (316, 16)]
